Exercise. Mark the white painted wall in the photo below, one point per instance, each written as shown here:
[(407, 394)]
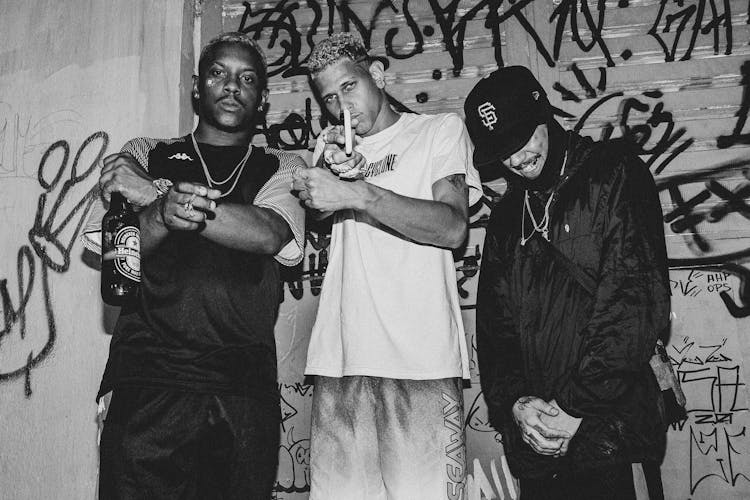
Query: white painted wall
[(68, 70)]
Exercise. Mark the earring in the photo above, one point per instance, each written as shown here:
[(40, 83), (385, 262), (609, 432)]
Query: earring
[(260, 108)]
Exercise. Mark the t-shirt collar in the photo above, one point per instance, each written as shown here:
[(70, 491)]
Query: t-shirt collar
[(386, 135)]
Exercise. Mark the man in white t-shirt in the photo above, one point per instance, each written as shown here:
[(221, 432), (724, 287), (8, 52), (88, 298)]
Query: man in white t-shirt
[(388, 348)]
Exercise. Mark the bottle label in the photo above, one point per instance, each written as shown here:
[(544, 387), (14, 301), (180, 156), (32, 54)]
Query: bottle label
[(127, 243)]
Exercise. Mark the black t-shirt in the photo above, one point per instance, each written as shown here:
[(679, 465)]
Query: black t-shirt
[(204, 321)]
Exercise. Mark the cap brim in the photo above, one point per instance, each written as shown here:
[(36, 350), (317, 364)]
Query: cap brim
[(487, 155)]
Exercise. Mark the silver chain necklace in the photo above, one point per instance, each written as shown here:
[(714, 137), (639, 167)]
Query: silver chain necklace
[(236, 172), (543, 225)]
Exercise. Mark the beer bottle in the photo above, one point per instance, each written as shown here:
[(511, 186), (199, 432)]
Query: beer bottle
[(121, 252)]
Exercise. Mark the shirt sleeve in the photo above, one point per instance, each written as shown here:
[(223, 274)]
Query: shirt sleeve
[(453, 155), (276, 195), (92, 230), (498, 340)]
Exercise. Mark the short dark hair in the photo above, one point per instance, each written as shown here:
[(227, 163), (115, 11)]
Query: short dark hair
[(240, 39), (339, 46)]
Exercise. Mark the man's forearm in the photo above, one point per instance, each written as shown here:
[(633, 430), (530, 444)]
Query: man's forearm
[(153, 230), (425, 221), (247, 228)]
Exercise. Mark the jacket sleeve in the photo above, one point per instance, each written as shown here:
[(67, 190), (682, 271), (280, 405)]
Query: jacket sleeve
[(632, 299), (498, 347)]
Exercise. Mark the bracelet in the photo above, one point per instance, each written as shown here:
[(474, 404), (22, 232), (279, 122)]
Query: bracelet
[(162, 187)]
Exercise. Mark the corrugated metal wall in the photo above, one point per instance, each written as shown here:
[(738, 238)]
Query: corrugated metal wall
[(675, 75)]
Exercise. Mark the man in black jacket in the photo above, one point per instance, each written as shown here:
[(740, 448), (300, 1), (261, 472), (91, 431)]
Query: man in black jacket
[(573, 294)]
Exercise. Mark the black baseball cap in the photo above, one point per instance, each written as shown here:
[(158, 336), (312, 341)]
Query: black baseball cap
[(502, 111)]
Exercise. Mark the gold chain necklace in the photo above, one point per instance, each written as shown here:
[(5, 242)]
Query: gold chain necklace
[(236, 172), (543, 225)]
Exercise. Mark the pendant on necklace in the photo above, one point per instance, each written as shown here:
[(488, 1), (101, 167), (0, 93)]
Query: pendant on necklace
[(545, 234)]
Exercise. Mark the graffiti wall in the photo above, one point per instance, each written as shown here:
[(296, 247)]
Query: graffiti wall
[(79, 78), (672, 75)]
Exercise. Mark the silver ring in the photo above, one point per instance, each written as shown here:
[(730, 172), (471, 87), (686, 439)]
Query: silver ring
[(189, 211)]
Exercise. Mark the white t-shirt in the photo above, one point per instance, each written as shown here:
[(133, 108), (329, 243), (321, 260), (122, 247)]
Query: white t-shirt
[(389, 306)]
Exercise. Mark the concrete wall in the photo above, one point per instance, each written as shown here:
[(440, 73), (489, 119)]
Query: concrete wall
[(78, 78)]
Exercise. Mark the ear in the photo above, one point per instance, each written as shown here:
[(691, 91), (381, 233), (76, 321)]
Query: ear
[(377, 72), (263, 99), (196, 91)]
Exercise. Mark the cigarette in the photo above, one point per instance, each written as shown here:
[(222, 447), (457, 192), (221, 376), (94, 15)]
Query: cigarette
[(347, 131)]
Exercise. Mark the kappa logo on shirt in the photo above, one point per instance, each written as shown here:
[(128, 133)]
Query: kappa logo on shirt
[(381, 166), (180, 156)]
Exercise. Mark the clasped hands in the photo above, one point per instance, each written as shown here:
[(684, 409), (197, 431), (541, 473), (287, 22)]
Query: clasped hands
[(544, 426), (185, 206), (326, 189)]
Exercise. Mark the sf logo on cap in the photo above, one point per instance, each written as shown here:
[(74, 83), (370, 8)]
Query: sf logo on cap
[(487, 114)]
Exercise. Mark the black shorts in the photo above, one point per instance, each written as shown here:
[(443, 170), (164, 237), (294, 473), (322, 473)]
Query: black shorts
[(159, 444)]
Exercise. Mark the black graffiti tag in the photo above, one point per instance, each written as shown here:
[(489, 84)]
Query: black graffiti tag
[(280, 20), (712, 382), (687, 214), (51, 237), (741, 310), (639, 133), (680, 21), (737, 137), (570, 9)]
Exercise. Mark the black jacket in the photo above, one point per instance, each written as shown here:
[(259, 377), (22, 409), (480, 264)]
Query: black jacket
[(539, 333)]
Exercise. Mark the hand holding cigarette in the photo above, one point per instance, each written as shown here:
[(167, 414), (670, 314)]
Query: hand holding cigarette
[(339, 153), (347, 131)]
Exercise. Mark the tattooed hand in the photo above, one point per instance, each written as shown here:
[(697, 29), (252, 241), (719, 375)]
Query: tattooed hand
[(543, 439)]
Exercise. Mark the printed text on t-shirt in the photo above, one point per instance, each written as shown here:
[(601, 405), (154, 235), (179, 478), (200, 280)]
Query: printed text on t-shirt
[(383, 165)]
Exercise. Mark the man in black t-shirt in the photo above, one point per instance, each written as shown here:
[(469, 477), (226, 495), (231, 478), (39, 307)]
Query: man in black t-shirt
[(194, 411)]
